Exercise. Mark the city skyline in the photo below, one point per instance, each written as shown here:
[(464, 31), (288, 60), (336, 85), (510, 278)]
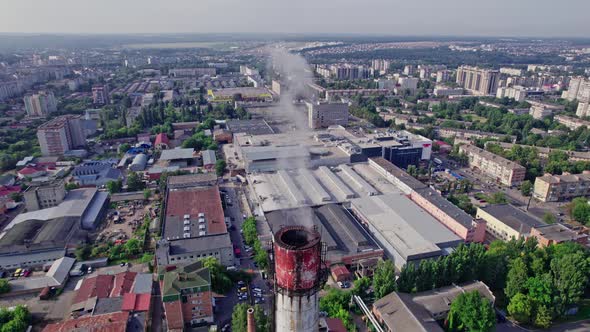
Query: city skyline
[(527, 18)]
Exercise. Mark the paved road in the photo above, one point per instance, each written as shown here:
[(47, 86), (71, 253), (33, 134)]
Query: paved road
[(580, 326), (158, 321)]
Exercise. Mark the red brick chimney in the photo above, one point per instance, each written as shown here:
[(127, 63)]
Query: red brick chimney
[(251, 321)]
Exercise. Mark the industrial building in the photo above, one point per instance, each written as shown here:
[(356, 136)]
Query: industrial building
[(330, 147), (555, 188), (44, 196), (56, 276), (299, 275), (406, 232), (293, 188), (194, 223), (346, 241), (178, 157), (139, 163), (455, 219), (249, 127), (420, 312), (504, 221), (323, 115), (96, 172), (502, 170), (244, 93), (35, 238)]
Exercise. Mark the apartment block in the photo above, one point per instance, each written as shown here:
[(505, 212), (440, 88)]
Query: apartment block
[(517, 93), (579, 88), (583, 109), (100, 94), (60, 135), (323, 115), (40, 104), (478, 81), (186, 295), (555, 188), (501, 169), (571, 122)]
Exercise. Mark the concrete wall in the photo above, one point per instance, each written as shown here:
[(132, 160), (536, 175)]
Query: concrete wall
[(297, 314)]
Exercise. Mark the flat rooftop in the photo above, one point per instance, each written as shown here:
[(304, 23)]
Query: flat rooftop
[(175, 154), (193, 211), (513, 217), (410, 230), (343, 235), (250, 127), (311, 187)]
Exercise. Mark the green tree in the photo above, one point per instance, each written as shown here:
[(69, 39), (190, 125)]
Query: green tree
[(71, 186), (384, 278), (83, 252), (498, 198), (220, 280), (4, 286), (114, 186), (134, 182), (517, 278), (570, 278), (543, 317), (239, 318), (521, 308), (124, 147), (526, 188), (471, 312), (132, 247), (220, 167), (147, 193), (249, 231), (361, 286)]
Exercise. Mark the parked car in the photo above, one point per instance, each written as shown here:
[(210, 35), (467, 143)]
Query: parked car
[(27, 273)]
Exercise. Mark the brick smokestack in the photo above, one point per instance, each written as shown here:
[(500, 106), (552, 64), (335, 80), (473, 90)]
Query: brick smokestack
[(251, 321)]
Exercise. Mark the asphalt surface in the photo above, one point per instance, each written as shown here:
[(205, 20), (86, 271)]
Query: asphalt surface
[(238, 208)]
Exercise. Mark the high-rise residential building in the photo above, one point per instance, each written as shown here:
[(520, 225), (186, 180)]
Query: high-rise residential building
[(511, 71), (407, 84), (517, 93), (579, 88), (583, 109), (349, 72), (409, 70), (40, 104), (381, 65), (60, 135), (443, 76), (477, 80), (322, 115), (100, 94)]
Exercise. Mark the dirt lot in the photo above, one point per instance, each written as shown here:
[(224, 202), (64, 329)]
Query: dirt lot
[(130, 215)]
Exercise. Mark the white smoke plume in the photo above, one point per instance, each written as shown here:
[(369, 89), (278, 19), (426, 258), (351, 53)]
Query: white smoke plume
[(295, 76)]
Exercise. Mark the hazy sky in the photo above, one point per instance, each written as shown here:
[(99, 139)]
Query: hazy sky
[(386, 17)]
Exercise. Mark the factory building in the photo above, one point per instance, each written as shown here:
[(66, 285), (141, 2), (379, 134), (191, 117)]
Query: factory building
[(323, 115), (407, 233), (139, 163)]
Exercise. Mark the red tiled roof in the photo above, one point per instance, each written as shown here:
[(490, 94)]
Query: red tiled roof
[(340, 270), (7, 190), (335, 325), (31, 170), (174, 315), (113, 322), (162, 138), (123, 283), (196, 200), (99, 286), (136, 302)]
